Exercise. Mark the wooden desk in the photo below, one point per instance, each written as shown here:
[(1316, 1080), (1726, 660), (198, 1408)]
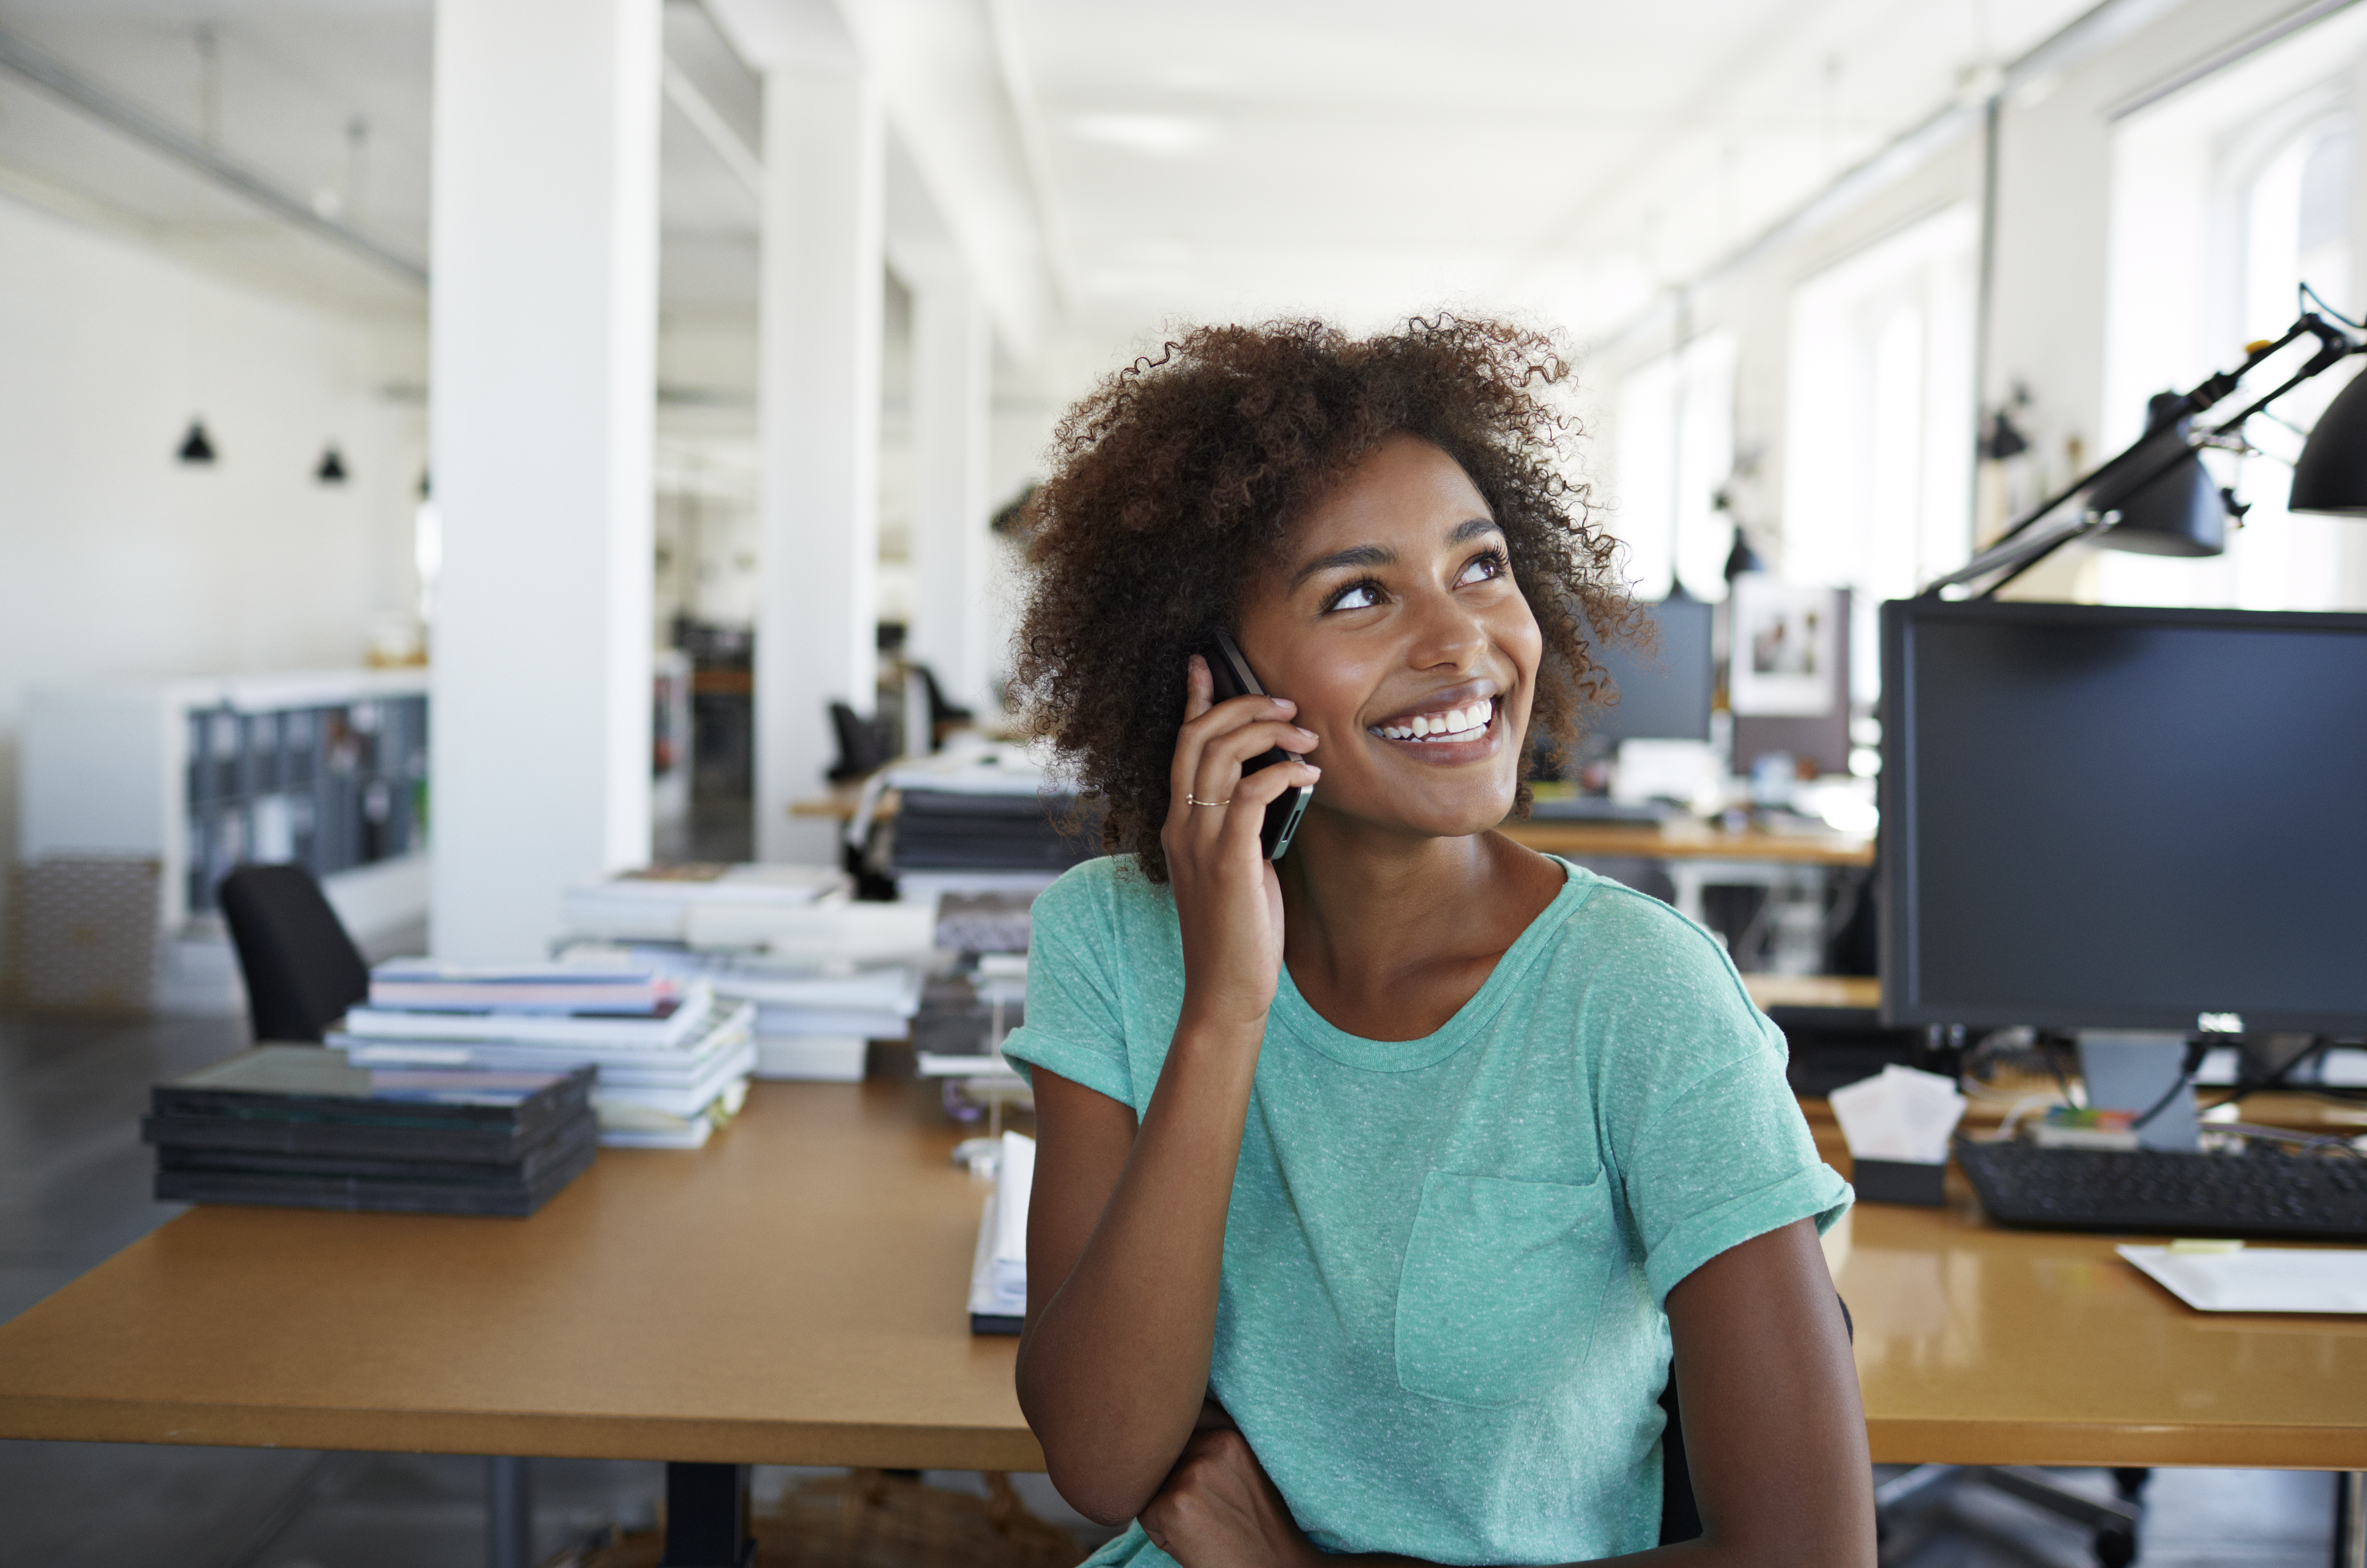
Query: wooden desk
[(1982, 1346), (840, 804), (1862, 992), (794, 1293), (1645, 842), (1978, 1345), (1628, 840)]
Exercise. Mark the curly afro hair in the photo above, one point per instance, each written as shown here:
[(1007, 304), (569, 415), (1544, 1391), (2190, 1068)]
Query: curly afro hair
[(1179, 476)]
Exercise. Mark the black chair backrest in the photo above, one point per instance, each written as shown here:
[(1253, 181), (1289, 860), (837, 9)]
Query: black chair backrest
[(862, 746), (940, 710), (302, 971)]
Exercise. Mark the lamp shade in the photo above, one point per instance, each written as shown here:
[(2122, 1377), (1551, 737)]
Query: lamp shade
[(2331, 474), (2168, 503), (1740, 558)]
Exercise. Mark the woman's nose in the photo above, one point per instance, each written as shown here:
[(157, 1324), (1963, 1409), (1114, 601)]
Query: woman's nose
[(1445, 632)]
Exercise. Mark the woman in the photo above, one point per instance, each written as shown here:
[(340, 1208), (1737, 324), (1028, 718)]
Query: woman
[(1374, 1183)]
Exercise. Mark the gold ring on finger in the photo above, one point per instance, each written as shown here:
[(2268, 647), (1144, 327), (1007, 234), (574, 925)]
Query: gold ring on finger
[(1191, 799)]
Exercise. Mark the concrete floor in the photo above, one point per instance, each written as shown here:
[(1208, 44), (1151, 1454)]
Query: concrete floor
[(75, 1190)]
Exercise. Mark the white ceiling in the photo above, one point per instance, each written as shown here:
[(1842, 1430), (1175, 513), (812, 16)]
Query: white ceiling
[(1108, 166), (1370, 157)]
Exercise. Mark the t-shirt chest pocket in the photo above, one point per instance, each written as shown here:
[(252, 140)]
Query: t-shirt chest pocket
[(1501, 1285)]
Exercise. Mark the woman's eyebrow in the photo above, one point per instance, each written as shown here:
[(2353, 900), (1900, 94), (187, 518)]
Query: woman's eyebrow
[(1381, 555), (1355, 555)]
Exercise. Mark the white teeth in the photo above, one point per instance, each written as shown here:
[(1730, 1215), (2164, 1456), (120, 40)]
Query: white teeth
[(1453, 721)]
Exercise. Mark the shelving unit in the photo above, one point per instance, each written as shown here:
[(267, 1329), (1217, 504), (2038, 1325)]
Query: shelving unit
[(328, 770)]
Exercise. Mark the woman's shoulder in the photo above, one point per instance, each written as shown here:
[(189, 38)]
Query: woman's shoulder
[(1101, 899), (1629, 946)]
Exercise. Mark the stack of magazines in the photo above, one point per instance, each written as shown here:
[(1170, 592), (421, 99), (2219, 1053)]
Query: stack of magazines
[(298, 1126), (827, 976), (677, 903), (673, 1059)]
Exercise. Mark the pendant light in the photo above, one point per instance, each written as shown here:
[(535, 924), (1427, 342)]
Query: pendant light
[(195, 446)]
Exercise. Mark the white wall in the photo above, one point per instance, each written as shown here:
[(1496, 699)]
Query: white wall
[(116, 559), (2049, 303)]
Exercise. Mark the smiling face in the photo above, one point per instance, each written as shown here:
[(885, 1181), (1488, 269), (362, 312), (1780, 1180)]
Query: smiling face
[(1391, 618)]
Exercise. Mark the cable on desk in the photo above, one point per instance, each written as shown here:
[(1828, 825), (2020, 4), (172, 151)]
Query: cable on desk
[(2196, 1049)]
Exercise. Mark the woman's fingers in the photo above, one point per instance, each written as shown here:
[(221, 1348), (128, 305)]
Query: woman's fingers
[(1218, 737), (1223, 832), (1199, 688), (1245, 795)]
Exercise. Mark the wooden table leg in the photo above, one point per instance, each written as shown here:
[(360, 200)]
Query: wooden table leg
[(706, 1517)]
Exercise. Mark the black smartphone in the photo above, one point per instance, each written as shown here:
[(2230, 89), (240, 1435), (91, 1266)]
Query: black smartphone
[(1233, 678)]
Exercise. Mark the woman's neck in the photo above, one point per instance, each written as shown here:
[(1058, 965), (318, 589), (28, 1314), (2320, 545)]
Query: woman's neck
[(1386, 934)]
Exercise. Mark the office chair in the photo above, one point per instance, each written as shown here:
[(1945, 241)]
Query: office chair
[(302, 971), (863, 748), (941, 712)]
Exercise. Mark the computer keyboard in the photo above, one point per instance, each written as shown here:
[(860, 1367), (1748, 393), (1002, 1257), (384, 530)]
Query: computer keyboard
[(2155, 1191)]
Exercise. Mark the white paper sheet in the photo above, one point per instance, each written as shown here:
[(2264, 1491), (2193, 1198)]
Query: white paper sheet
[(2259, 1279)]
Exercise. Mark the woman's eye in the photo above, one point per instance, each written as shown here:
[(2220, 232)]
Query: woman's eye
[(1482, 567), (1355, 596)]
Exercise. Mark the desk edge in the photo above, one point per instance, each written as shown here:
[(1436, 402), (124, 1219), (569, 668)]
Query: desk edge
[(915, 1446)]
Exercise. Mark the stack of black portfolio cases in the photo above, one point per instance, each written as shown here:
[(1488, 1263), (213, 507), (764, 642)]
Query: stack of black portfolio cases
[(298, 1126)]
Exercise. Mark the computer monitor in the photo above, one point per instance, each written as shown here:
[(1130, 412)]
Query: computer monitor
[(2114, 818), (1664, 691)]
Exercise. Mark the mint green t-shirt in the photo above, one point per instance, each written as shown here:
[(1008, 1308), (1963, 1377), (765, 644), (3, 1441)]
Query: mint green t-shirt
[(1440, 1323)]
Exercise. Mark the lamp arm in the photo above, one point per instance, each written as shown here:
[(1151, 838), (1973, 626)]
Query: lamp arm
[(2016, 554)]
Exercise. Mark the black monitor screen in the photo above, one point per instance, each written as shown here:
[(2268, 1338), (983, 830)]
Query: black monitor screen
[(2105, 818), (1664, 692)]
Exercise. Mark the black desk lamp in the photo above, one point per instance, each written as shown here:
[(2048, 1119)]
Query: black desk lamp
[(2156, 497)]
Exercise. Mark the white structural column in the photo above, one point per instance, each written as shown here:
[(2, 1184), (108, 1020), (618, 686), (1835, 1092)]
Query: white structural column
[(544, 344), (818, 420), (952, 368)]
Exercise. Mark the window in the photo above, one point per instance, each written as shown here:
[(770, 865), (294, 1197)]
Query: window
[(1878, 451), (2225, 198), (1676, 451)]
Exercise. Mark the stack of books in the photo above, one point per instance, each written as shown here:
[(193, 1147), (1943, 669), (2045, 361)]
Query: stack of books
[(817, 1024), (677, 903), (991, 819), (985, 922), (827, 975), (673, 1058), (298, 1126)]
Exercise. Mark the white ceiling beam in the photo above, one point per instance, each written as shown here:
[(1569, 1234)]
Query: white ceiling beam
[(957, 119), (160, 136), (684, 94)]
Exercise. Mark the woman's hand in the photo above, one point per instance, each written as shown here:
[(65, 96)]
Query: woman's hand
[(1220, 1509), (1227, 897)]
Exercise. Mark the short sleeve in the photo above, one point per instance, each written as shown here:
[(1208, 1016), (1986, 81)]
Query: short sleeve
[(1075, 1019), (1710, 1142)]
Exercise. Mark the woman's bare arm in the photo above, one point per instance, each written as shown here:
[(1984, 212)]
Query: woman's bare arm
[(1775, 1430), (1125, 1239), (1126, 1225), (1774, 1435)]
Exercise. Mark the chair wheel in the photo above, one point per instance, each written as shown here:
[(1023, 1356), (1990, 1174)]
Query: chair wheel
[(2115, 1547)]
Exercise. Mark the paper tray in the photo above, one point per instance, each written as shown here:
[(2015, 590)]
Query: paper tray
[(2259, 1279)]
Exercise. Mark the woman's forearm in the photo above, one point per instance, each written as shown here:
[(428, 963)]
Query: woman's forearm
[(1114, 1366)]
